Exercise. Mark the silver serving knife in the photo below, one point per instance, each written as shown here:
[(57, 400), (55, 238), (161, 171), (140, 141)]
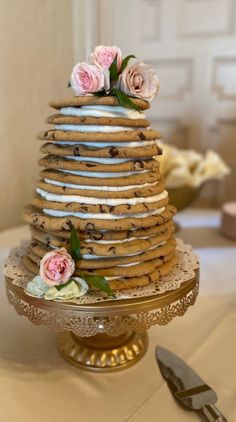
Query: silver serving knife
[(187, 387)]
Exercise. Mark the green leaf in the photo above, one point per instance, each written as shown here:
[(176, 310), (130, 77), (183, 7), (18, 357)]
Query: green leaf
[(62, 285), (98, 282), (74, 248), (125, 61), (124, 100), (114, 74), (99, 93)]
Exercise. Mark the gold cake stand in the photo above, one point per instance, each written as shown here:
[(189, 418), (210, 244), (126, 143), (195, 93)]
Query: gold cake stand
[(106, 336)]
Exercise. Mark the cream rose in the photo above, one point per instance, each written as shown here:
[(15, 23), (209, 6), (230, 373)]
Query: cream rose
[(139, 80), (88, 78), (56, 267), (103, 56)]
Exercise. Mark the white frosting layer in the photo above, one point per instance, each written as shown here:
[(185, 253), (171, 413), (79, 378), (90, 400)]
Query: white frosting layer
[(99, 188), (110, 242), (100, 160), (96, 128), (131, 264), (102, 111), (109, 144), (103, 201), (113, 278), (101, 216), (103, 174)]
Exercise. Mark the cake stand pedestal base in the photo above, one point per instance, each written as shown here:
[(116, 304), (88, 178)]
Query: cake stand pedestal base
[(103, 353)]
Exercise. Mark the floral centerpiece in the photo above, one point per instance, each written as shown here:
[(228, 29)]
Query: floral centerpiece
[(111, 74)]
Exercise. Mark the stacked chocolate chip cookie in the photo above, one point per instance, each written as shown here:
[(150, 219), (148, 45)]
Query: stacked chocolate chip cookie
[(99, 176)]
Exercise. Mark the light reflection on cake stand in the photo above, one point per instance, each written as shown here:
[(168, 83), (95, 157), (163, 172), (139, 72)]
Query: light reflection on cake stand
[(106, 336)]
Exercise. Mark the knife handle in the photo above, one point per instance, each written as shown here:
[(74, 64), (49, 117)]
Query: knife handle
[(212, 413)]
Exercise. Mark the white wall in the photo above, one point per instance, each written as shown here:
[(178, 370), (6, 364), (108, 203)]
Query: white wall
[(36, 61), (192, 45)]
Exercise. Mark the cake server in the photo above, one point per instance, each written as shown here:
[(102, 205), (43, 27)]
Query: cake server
[(187, 387)]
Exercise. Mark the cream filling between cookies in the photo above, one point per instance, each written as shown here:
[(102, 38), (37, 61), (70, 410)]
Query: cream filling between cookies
[(123, 241), (95, 144), (100, 188), (103, 174), (102, 111), (101, 160), (101, 216), (98, 128), (102, 201)]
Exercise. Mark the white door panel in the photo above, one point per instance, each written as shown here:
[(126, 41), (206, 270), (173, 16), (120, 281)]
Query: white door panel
[(192, 45)]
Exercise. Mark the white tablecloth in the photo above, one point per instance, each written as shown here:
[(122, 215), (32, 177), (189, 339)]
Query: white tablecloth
[(36, 385)]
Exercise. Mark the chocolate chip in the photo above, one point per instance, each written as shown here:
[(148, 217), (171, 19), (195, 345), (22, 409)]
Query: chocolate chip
[(84, 208), (96, 236), (45, 135), (67, 225), (112, 249), (113, 152), (90, 226), (90, 165), (141, 136), (138, 165), (76, 151)]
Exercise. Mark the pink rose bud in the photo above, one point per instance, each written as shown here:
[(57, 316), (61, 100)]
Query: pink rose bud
[(103, 56), (139, 80), (56, 267), (87, 78)]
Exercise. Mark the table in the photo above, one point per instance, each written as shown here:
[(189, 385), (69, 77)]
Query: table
[(36, 385)]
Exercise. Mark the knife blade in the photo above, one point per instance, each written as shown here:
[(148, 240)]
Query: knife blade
[(187, 386)]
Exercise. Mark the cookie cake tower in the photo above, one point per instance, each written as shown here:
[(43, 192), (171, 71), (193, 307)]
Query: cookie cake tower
[(100, 179)]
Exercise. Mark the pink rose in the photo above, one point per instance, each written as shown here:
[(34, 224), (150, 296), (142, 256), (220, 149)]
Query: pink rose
[(103, 56), (56, 267), (87, 78), (139, 80)]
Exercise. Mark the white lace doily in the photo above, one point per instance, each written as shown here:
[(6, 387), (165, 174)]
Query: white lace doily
[(183, 271)]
